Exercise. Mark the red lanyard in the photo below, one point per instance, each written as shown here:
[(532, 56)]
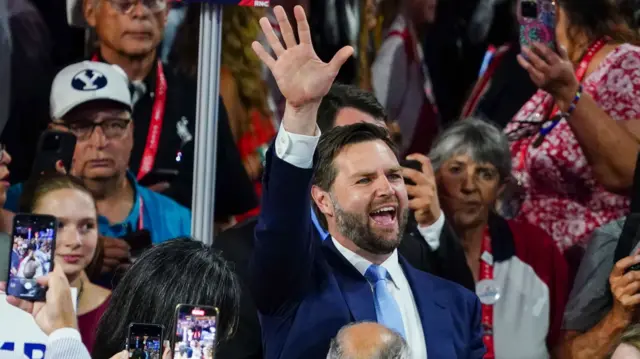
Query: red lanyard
[(580, 73), (155, 127), (140, 214), (486, 272)]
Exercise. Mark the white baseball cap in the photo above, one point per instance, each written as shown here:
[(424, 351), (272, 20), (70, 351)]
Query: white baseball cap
[(88, 81)]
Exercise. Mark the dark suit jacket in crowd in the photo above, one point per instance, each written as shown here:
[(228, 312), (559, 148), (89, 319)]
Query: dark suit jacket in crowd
[(236, 245), (305, 290)]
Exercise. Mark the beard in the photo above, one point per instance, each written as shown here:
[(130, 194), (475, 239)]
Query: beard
[(356, 227)]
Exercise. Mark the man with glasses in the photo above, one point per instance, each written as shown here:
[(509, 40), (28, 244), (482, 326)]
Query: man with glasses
[(129, 33), (92, 100)]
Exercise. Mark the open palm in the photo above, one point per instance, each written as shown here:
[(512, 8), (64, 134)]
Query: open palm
[(301, 76)]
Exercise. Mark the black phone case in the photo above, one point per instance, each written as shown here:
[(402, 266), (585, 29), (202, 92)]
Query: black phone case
[(47, 155)]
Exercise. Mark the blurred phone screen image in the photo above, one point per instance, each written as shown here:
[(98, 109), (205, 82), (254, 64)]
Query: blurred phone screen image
[(31, 255), (145, 342), (195, 334)]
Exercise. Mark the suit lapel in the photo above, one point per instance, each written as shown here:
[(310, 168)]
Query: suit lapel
[(433, 314), (355, 289)]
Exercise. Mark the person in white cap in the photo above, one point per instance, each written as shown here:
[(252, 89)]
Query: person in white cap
[(92, 100), (128, 35)]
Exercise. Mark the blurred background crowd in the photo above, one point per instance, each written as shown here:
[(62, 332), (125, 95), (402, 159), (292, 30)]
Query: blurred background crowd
[(531, 150)]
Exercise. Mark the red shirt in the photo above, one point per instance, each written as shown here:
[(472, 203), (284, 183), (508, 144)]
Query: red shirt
[(88, 323)]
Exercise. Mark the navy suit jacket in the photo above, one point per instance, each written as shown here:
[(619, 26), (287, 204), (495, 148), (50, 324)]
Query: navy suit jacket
[(305, 290)]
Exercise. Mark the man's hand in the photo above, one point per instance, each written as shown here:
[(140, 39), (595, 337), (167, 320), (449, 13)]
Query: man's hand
[(424, 203), (302, 77), (116, 254), (57, 311), (624, 287)]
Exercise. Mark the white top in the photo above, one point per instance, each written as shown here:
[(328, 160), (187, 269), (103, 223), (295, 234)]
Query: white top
[(298, 151)]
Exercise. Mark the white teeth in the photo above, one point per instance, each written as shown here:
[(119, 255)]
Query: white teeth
[(384, 209)]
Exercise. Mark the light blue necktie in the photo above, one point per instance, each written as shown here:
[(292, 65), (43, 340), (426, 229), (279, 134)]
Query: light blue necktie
[(387, 310)]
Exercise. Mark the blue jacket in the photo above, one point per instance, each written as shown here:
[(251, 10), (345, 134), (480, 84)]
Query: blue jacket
[(163, 217), (305, 290)]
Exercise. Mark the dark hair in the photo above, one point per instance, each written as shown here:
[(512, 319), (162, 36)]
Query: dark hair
[(597, 19), (174, 272), (36, 188), (341, 96), (331, 144)]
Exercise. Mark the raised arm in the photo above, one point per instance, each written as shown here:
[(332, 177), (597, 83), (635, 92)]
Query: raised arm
[(284, 246), (610, 146)]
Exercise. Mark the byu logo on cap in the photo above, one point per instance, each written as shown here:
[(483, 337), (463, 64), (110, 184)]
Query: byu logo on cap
[(89, 80)]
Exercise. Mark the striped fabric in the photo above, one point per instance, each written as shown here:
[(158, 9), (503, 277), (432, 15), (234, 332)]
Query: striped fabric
[(66, 344)]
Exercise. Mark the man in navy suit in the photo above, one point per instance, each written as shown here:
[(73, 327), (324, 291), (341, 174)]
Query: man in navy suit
[(305, 289)]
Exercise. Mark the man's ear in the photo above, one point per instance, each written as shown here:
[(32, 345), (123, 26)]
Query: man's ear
[(90, 10), (322, 199)]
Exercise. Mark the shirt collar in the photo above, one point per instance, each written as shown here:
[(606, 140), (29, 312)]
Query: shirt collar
[(132, 218), (392, 265), (149, 82)]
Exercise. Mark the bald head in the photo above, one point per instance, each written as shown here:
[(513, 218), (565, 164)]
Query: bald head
[(367, 341)]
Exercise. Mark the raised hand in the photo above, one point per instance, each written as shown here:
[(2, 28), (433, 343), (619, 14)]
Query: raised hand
[(551, 71), (424, 193), (302, 77)]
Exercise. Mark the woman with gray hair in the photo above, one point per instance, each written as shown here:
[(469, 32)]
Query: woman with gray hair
[(521, 277)]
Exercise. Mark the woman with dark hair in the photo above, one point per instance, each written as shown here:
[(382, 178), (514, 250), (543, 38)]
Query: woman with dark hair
[(77, 244), (574, 143), (174, 272)]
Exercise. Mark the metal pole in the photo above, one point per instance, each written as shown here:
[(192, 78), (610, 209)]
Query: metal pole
[(204, 179)]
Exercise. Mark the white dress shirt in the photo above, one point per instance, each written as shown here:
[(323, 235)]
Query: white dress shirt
[(298, 151)]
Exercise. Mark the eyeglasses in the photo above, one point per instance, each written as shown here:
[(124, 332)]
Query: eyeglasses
[(125, 7), (112, 128)]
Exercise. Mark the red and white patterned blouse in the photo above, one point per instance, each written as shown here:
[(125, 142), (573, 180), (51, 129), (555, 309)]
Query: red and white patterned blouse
[(562, 195)]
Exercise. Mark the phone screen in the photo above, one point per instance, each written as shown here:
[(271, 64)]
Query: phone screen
[(195, 332), (145, 341), (33, 247)]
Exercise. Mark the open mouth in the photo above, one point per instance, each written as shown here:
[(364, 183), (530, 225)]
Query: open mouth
[(384, 216)]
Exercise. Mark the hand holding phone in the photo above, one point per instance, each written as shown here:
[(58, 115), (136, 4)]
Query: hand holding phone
[(421, 189), (116, 252), (54, 152), (144, 341), (33, 249), (57, 312), (195, 333)]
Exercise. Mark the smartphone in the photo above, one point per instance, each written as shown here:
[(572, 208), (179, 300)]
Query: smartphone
[(144, 341), (195, 333), (158, 176), (139, 241), (33, 249), (53, 146), (413, 164), (5, 255), (537, 22)]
